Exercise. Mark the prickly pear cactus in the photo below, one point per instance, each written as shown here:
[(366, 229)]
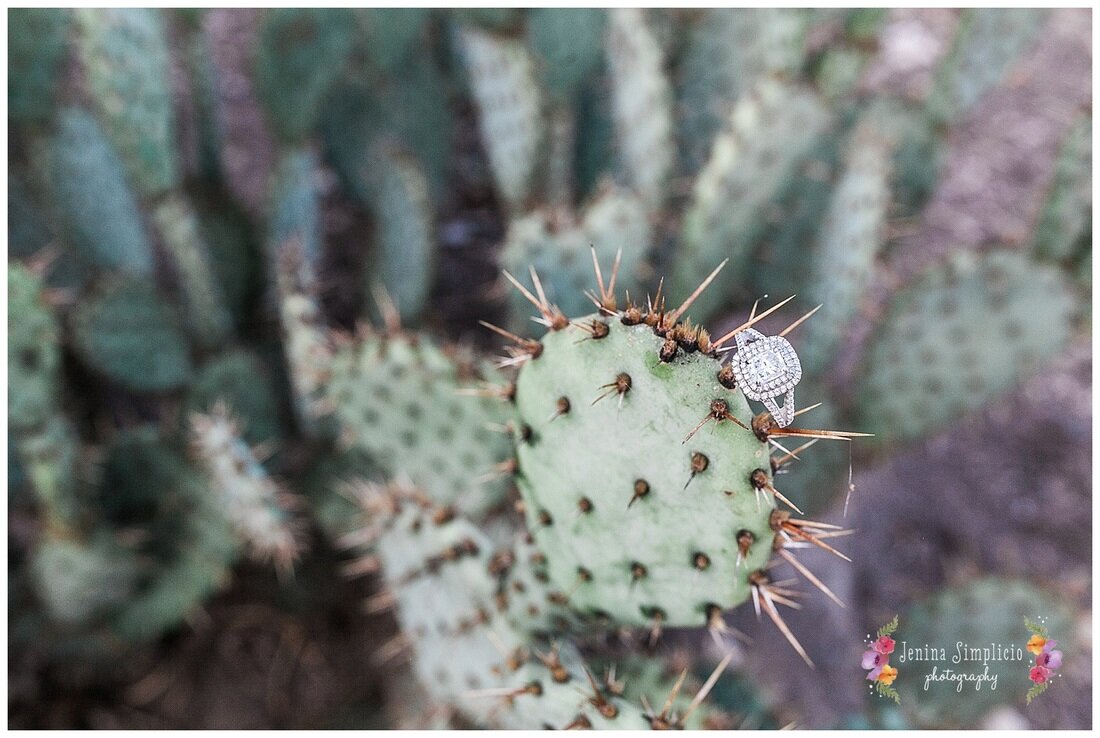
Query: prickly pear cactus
[(641, 104), (561, 249), (114, 327), (850, 239), (398, 398), (977, 614), (125, 56), (103, 221), (242, 383), (34, 352), (1066, 220), (771, 129), (959, 336), (605, 469), (37, 45), (82, 582)]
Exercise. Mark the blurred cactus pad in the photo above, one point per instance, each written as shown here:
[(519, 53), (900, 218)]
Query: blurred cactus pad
[(392, 368)]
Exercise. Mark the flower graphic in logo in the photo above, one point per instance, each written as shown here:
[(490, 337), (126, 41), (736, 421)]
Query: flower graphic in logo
[(1048, 659), (876, 660)]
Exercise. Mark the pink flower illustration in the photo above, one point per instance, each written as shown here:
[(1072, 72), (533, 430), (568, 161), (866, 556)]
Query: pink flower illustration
[(1050, 658), (884, 645), (1039, 674), (874, 661)]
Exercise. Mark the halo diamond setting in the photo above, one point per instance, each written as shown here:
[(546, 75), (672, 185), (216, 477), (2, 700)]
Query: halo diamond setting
[(765, 368)]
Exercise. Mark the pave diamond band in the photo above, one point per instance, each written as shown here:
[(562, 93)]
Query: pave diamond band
[(766, 367)]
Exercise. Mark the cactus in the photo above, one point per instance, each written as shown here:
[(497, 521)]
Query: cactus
[(978, 613), (34, 353), (239, 380), (405, 239), (613, 221), (567, 45), (125, 56), (209, 322), (397, 398), (392, 34), (113, 328), (300, 52), (988, 42), (641, 104), (850, 239), (82, 582), (37, 46), (1065, 223), (502, 80), (102, 221), (772, 129), (258, 509), (957, 337), (730, 51)]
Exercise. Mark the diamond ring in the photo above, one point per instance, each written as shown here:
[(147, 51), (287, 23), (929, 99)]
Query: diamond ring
[(766, 367)]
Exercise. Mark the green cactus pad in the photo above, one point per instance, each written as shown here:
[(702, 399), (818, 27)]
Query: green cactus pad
[(38, 42), (641, 104), (561, 252), (81, 582), (646, 507), (1066, 220), (392, 34), (568, 46), (208, 320), (850, 239), (300, 53), (501, 75), (989, 41), (772, 129), (49, 458), (34, 352), (295, 205), (256, 506), (240, 380), (977, 614), (126, 63), (730, 50), (957, 337), (398, 398), (404, 247), (97, 205), (126, 332)]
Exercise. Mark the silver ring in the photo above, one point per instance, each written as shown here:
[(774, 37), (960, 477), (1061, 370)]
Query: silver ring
[(767, 367)]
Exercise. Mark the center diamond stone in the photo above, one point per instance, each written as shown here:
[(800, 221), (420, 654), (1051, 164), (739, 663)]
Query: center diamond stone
[(766, 366)]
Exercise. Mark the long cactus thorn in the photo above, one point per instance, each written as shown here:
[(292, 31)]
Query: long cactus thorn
[(552, 661), (675, 314), (607, 302), (765, 427), (620, 385), (505, 468), (777, 463), (719, 411), (802, 569), (363, 566), (527, 345), (760, 481), (799, 322), (613, 685), (398, 646), (487, 389), (708, 685), (384, 601), (808, 409), (764, 597), (665, 720), (552, 317), (597, 700), (781, 522), (749, 324), (391, 316)]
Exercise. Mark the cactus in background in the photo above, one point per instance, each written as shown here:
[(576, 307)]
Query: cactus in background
[(771, 130), (38, 40), (397, 397), (1062, 232), (503, 84), (34, 352), (114, 327), (260, 512), (1001, 314), (103, 222), (641, 105), (550, 242), (241, 382), (300, 53)]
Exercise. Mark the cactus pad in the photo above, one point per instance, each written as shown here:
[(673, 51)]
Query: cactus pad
[(960, 335), (37, 45), (636, 523), (34, 353), (397, 397)]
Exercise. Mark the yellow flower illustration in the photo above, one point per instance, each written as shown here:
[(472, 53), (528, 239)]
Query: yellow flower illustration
[(1035, 645), (888, 675)]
